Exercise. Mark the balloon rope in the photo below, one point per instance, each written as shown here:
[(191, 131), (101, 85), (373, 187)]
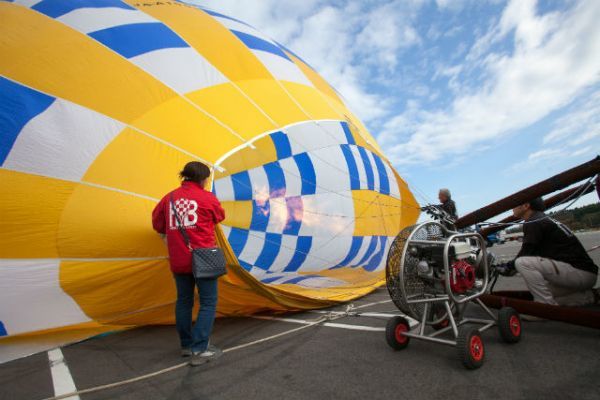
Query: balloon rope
[(328, 317)]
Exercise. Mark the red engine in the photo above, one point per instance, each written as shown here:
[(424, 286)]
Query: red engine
[(462, 276)]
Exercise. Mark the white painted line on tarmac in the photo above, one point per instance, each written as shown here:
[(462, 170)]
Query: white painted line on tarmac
[(380, 315), (329, 324), (411, 321), (354, 327), (373, 304), (61, 376), (292, 320), (351, 327), (362, 314)]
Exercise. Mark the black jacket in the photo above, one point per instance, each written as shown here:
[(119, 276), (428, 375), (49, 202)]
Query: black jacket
[(450, 208), (548, 238)]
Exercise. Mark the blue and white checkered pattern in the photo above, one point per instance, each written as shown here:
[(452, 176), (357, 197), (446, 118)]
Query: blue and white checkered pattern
[(303, 212)]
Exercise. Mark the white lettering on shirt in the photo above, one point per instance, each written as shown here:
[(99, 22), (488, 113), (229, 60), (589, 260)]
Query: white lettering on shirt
[(186, 211)]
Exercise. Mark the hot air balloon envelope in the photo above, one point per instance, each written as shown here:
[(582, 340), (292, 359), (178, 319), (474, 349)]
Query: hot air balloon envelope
[(102, 102)]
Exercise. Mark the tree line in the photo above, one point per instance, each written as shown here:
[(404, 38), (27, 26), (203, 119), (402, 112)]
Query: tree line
[(586, 217)]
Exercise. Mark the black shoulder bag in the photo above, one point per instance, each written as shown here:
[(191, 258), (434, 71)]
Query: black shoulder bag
[(206, 262)]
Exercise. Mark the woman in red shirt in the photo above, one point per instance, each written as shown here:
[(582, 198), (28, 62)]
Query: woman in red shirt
[(198, 211)]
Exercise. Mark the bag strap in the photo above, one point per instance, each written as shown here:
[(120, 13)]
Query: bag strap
[(186, 238)]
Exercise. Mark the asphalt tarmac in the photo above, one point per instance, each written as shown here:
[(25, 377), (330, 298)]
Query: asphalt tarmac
[(345, 359)]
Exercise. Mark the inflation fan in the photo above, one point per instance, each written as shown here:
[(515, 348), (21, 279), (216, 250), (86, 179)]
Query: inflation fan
[(432, 273)]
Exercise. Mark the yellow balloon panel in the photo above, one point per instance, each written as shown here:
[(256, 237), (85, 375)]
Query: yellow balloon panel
[(101, 223), (377, 214), (271, 98), (245, 158), (179, 123), (137, 163), (311, 101), (222, 100), (31, 208), (51, 57), (411, 208), (121, 292), (238, 213), (316, 79)]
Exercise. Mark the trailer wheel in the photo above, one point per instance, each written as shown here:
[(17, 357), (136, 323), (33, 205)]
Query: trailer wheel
[(394, 333), (469, 344), (509, 325)]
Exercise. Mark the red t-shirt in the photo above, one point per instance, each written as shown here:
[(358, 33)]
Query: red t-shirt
[(199, 211)]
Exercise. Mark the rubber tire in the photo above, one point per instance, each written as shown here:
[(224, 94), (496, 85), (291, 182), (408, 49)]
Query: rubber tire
[(464, 340), (394, 325), (507, 317)]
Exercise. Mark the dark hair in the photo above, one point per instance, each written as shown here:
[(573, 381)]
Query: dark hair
[(195, 171), (537, 204)]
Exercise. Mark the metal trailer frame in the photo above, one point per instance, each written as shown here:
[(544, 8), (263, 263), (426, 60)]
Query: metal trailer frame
[(449, 296)]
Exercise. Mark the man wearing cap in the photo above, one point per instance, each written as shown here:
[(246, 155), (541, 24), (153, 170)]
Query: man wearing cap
[(553, 262), (448, 204)]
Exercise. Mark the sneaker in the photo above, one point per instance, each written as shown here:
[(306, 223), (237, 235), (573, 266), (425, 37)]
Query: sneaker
[(186, 352), (210, 354)]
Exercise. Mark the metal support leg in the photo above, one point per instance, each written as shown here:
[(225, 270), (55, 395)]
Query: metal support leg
[(424, 319), (451, 318), (487, 310)]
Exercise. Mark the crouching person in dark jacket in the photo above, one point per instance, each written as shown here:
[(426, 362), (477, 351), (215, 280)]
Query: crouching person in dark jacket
[(553, 262)]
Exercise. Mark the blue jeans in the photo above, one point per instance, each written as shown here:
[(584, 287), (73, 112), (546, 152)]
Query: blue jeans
[(195, 337)]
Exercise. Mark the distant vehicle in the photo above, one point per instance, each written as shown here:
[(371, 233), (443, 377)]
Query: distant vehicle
[(518, 236), (492, 238)]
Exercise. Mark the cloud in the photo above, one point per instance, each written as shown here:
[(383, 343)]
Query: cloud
[(579, 126), (269, 16), (549, 154), (521, 67), (536, 158), (457, 5), (575, 134), (351, 44), (386, 31), (545, 154), (555, 57)]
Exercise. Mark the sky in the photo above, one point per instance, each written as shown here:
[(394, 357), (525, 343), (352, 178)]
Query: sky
[(484, 97)]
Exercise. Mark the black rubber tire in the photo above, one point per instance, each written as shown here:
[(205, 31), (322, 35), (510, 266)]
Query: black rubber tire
[(393, 330), (469, 345), (509, 325)]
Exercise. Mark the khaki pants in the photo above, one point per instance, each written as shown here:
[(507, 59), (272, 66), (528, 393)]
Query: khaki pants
[(555, 282)]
